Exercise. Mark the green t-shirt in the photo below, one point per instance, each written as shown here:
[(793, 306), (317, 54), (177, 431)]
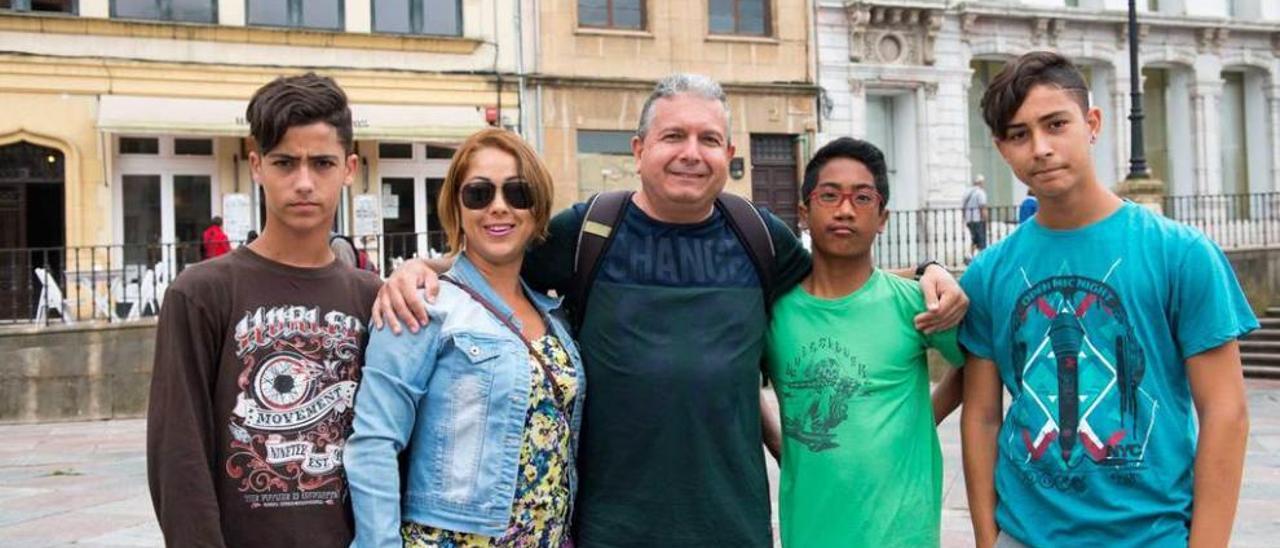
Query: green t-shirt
[(861, 462)]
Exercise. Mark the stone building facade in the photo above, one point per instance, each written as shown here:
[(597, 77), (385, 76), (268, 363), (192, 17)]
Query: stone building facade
[(909, 74)]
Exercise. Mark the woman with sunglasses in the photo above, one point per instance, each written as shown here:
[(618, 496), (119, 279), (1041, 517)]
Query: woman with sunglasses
[(465, 432)]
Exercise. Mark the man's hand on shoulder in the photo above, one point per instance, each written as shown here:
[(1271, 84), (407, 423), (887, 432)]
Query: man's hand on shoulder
[(944, 301)]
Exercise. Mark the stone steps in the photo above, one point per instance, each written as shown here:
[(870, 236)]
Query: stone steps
[(1260, 350)]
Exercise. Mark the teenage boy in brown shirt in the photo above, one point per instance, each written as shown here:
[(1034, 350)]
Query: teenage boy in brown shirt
[(258, 352)]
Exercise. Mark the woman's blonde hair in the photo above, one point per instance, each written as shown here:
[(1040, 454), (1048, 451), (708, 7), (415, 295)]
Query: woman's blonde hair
[(528, 166)]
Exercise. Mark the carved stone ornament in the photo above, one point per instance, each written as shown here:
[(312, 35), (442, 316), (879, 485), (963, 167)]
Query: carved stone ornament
[(892, 35), (1211, 39)]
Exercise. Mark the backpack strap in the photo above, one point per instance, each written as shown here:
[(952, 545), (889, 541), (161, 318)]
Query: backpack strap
[(603, 213), (750, 228)]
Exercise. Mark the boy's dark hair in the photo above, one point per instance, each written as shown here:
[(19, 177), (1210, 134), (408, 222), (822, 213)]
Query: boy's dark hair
[(854, 149), (290, 101), (1007, 91)]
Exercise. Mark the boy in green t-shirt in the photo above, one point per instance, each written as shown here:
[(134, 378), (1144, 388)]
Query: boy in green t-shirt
[(861, 463)]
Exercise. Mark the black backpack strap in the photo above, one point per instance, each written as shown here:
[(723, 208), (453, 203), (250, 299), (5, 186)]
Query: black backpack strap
[(603, 213), (750, 228)]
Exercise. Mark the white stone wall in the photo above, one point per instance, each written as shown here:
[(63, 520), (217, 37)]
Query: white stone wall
[(1193, 40)]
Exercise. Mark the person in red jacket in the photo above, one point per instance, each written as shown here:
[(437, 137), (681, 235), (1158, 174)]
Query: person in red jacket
[(215, 240)]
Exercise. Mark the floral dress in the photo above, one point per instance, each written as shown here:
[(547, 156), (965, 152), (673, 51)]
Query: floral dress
[(540, 513)]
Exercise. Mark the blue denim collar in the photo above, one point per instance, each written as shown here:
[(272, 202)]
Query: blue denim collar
[(466, 272)]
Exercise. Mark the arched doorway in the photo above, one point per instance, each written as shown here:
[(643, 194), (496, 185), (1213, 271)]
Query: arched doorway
[(32, 222)]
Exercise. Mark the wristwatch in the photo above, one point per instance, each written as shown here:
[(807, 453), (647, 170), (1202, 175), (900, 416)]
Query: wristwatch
[(925, 266)]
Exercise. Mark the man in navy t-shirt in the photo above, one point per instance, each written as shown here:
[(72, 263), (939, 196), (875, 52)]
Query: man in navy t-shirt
[(1106, 323)]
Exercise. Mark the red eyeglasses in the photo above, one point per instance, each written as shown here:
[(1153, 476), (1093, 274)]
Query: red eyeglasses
[(861, 199)]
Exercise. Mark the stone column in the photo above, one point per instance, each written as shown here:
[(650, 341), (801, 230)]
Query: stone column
[(1273, 111), (1206, 97)]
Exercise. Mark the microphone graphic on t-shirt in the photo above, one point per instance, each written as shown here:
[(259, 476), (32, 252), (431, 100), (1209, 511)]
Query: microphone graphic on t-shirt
[(1067, 335)]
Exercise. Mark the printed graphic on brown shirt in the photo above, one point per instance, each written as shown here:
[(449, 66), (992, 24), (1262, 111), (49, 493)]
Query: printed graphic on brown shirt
[(294, 411)]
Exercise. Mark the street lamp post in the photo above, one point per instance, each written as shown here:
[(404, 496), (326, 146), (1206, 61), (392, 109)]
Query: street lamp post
[(1139, 186), (1137, 156)]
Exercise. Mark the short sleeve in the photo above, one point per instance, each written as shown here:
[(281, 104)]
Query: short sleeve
[(549, 265), (791, 262), (976, 330), (947, 343), (1209, 309)]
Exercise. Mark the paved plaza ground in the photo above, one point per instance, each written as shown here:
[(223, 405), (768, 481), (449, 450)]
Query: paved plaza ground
[(85, 483)]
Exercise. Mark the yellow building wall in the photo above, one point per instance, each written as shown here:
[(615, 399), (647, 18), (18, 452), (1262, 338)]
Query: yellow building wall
[(676, 39), (54, 102)]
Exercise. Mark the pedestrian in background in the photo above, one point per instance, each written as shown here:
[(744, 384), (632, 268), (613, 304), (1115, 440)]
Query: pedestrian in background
[(214, 240), (1028, 207), (974, 205)]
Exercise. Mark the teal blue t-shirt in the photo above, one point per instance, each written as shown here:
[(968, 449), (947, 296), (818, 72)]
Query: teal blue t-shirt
[(1091, 329)]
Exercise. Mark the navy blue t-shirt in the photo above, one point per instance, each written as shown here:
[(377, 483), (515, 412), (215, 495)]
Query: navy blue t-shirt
[(670, 449)]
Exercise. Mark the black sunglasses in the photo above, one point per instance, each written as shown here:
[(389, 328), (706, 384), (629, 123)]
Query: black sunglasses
[(478, 195)]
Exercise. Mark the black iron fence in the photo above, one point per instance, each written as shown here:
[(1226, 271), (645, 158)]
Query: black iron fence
[(125, 282), (114, 283)]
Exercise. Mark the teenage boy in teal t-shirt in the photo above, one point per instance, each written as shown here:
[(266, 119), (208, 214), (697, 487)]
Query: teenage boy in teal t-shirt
[(1106, 323), (862, 465)]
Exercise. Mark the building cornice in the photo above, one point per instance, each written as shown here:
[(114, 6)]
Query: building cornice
[(973, 11), (90, 26), (635, 84)]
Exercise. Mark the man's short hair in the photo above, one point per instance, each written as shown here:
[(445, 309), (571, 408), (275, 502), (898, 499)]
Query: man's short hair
[(290, 101), (857, 150), (676, 84), (1009, 88), (216, 220)]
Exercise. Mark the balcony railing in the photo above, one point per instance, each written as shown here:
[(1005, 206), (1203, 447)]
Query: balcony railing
[(125, 282)]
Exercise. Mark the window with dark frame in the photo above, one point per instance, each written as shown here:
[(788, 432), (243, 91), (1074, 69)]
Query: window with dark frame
[(312, 14), (40, 6), (432, 17), (187, 11), (612, 14), (741, 17), (139, 145), (395, 151), (192, 147)]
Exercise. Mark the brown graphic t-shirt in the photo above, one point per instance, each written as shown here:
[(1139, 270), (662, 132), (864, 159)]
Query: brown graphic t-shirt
[(255, 375)]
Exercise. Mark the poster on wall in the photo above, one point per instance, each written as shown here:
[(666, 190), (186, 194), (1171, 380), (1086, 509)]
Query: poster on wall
[(366, 214), (236, 218)]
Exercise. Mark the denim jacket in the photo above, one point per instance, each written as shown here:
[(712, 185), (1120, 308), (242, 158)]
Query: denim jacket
[(454, 396)]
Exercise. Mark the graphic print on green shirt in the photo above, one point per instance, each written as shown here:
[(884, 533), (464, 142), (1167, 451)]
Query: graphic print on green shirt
[(861, 462), (670, 447)]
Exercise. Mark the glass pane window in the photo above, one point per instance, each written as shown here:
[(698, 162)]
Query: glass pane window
[(141, 194), (274, 13), (137, 9), (622, 14), (195, 11), (391, 16), (192, 211), (605, 162), (443, 17), (315, 14), (395, 151), (192, 11), (139, 145), (321, 14), (439, 153), (749, 17), (193, 147), (46, 6)]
